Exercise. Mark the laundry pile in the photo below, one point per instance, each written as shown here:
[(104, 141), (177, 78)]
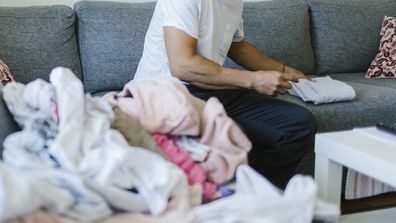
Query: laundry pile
[(151, 153)]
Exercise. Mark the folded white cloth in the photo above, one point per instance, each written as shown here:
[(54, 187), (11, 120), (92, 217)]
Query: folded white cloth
[(323, 90)]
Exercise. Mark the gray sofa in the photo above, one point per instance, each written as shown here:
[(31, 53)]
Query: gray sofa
[(103, 41)]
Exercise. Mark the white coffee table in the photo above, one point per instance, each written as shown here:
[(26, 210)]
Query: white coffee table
[(367, 155)]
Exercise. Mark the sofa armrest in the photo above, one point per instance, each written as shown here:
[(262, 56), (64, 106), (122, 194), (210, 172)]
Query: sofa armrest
[(7, 123)]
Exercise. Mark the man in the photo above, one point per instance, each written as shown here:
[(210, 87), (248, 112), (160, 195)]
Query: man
[(190, 40)]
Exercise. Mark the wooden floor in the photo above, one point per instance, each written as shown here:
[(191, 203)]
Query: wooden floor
[(370, 203)]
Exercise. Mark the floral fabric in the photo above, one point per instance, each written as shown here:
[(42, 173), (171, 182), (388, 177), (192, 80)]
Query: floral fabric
[(5, 74), (384, 64)]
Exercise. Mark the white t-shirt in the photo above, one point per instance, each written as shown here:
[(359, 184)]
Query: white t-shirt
[(214, 23)]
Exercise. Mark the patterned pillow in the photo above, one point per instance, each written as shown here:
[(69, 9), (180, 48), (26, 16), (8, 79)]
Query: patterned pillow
[(384, 64), (5, 74)]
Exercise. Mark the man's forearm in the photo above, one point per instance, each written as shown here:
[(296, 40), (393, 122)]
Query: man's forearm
[(251, 58), (204, 73)]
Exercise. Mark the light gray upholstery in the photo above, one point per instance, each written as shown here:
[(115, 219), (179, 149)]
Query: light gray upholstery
[(346, 34), (7, 125), (33, 40), (111, 37), (373, 104), (281, 30)]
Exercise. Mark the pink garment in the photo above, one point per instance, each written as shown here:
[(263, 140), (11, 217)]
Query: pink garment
[(196, 174), (165, 106), (161, 106), (229, 145)]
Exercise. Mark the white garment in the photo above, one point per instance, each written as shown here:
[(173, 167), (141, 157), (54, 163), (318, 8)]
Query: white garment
[(324, 90), (214, 23), (22, 192), (256, 201), (197, 151), (86, 144), (31, 104), (89, 163), (114, 168)]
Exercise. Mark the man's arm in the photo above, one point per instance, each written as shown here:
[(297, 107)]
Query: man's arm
[(187, 65), (251, 58)]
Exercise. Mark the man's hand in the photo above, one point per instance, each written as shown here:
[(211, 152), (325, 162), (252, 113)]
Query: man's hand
[(272, 82), (295, 74)]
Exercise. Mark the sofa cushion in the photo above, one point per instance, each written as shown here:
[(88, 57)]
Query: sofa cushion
[(384, 64), (281, 30), (372, 104), (346, 33), (33, 40), (360, 78), (111, 37), (8, 124)]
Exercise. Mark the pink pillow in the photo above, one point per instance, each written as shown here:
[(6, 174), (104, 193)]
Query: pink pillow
[(384, 64), (5, 74)]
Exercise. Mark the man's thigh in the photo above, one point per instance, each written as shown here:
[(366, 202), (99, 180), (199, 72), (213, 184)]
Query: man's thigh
[(266, 120)]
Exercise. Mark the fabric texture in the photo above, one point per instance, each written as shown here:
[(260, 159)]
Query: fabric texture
[(165, 106), (133, 132), (384, 64), (280, 29), (196, 174), (345, 33), (36, 39), (298, 203), (197, 18), (322, 91), (5, 74), (359, 185), (368, 107), (111, 38)]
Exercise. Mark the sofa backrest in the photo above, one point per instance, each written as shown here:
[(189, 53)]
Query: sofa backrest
[(33, 40), (281, 30), (346, 34), (111, 37)]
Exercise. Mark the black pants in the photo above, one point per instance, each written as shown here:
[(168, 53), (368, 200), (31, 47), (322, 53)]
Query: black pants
[(281, 132)]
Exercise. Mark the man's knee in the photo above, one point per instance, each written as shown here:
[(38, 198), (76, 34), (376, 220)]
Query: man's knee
[(305, 120)]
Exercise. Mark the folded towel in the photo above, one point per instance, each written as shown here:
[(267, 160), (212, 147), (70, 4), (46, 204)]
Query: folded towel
[(324, 90)]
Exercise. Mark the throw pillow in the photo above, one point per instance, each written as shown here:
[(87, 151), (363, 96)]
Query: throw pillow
[(5, 74), (384, 64)]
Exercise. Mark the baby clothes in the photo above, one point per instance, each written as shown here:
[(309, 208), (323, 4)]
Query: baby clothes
[(133, 132), (57, 191), (195, 173), (323, 90), (228, 144), (160, 106), (257, 200), (197, 151), (165, 106), (89, 166)]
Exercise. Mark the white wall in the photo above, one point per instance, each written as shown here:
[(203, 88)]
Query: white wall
[(63, 2)]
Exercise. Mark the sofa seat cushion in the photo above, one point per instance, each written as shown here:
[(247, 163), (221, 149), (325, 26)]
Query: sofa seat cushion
[(280, 29), (346, 33), (111, 38), (34, 40), (360, 78), (8, 124), (372, 104)]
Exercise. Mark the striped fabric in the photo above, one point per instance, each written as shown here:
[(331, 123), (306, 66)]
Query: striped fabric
[(359, 186)]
